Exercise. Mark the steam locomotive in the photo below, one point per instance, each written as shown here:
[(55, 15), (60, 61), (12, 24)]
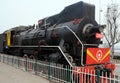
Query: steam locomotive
[(71, 37)]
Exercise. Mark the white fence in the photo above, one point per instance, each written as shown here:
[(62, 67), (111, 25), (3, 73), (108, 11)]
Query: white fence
[(56, 73)]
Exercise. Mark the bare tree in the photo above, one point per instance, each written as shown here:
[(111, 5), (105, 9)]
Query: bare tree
[(112, 33)]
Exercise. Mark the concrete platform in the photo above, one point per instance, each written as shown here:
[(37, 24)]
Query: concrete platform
[(9, 74)]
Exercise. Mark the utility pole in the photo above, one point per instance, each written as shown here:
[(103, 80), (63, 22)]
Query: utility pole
[(100, 11)]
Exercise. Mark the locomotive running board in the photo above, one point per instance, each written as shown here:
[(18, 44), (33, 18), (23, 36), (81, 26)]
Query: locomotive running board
[(42, 46), (33, 46)]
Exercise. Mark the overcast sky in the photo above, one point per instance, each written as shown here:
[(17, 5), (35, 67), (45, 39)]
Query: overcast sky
[(27, 12)]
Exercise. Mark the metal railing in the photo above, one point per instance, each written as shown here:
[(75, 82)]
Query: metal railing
[(115, 61), (56, 73), (79, 42)]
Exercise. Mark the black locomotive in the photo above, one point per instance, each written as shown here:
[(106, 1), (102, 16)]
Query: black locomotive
[(61, 38)]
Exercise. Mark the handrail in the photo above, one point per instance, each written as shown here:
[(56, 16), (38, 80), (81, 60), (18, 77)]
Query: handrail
[(61, 52), (36, 46), (77, 39), (79, 42), (61, 49), (49, 47), (65, 56), (91, 44)]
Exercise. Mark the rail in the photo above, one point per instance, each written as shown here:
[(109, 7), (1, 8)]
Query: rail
[(79, 42), (61, 49), (115, 61), (48, 47), (56, 73), (91, 44), (65, 56)]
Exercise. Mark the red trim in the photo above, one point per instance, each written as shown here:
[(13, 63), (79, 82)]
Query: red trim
[(77, 21)]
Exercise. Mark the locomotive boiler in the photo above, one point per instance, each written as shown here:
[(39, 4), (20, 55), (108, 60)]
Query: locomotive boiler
[(71, 37)]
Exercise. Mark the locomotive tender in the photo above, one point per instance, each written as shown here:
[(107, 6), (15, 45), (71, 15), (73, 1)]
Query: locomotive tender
[(70, 37)]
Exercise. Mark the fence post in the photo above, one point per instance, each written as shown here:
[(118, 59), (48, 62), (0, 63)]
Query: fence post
[(3, 58), (35, 67), (0, 57), (7, 59), (26, 64), (49, 71), (98, 75), (18, 62), (12, 60), (68, 74)]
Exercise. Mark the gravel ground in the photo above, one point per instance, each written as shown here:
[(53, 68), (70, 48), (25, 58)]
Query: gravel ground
[(9, 74)]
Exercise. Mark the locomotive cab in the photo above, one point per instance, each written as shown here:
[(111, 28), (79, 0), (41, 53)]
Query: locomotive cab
[(9, 37)]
